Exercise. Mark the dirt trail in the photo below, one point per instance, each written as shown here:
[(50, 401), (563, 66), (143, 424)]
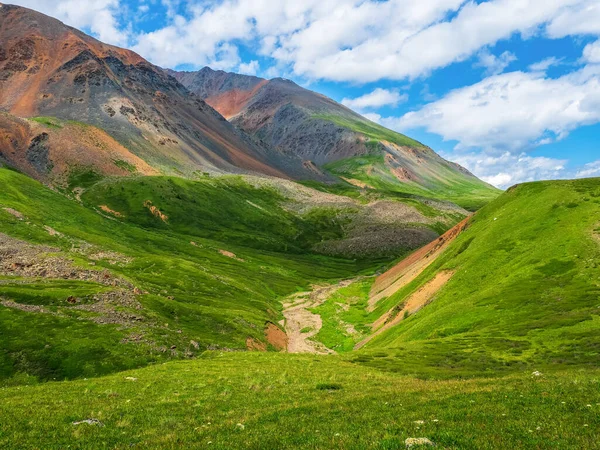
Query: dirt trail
[(422, 297), (301, 325), (411, 267)]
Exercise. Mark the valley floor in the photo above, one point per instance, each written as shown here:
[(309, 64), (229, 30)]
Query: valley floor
[(277, 401)]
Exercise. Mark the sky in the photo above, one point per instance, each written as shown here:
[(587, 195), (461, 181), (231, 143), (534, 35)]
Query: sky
[(510, 89)]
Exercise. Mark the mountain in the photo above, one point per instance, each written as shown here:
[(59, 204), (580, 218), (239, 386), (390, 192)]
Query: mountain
[(299, 122), (50, 69)]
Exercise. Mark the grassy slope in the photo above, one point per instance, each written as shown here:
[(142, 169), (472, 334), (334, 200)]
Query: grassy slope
[(467, 192), (448, 184), (538, 310), (526, 291), (215, 300), (275, 401), (372, 130)]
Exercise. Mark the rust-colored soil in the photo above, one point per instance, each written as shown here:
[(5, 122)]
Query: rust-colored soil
[(412, 266), (254, 345), (48, 153), (276, 337), (230, 255), (357, 183), (110, 211), (423, 296), (155, 211), (230, 103)]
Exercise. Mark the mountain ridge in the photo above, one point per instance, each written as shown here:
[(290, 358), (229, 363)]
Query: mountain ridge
[(50, 69), (300, 122)]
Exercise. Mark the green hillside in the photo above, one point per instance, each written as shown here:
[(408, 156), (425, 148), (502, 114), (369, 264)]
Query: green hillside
[(447, 184), (524, 295), (131, 275), (192, 292)]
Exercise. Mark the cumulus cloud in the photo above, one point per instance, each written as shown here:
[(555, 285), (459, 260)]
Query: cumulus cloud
[(507, 169), (101, 17), (250, 68), (589, 170), (494, 64), (591, 52), (576, 17), (512, 111), (545, 64), (376, 99), (339, 40)]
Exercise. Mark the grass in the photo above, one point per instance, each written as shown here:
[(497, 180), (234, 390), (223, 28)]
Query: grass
[(193, 292), (373, 131), (125, 166), (277, 401), (525, 292), (447, 184), (459, 372), (50, 122)]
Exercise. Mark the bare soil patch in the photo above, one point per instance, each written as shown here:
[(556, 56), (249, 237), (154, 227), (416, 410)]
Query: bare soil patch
[(155, 211), (417, 300), (230, 255), (276, 336), (106, 209), (412, 266)]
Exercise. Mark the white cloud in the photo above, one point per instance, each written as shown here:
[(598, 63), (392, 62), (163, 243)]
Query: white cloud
[(356, 40), (340, 40), (513, 111), (409, 42), (250, 68), (376, 99), (494, 64), (581, 17), (507, 169), (545, 64), (589, 170), (591, 52), (98, 16)]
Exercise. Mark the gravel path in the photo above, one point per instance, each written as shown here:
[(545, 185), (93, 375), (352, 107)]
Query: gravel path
[(301, 325)]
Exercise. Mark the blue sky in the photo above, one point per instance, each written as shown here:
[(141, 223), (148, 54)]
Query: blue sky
[(508, 88)]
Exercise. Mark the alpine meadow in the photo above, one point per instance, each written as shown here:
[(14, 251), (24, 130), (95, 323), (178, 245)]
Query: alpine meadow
[(199, 258)]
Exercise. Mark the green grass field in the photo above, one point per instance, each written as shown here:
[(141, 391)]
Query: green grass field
[(192, 292), (277, 401), (525, 294), (211, 265)]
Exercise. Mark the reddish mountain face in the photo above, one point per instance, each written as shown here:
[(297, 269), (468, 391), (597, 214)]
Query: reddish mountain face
[(50, 69), (280, 113)]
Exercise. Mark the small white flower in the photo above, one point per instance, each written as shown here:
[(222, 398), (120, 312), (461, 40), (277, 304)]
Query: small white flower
[(419, 422), (240, 426)]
